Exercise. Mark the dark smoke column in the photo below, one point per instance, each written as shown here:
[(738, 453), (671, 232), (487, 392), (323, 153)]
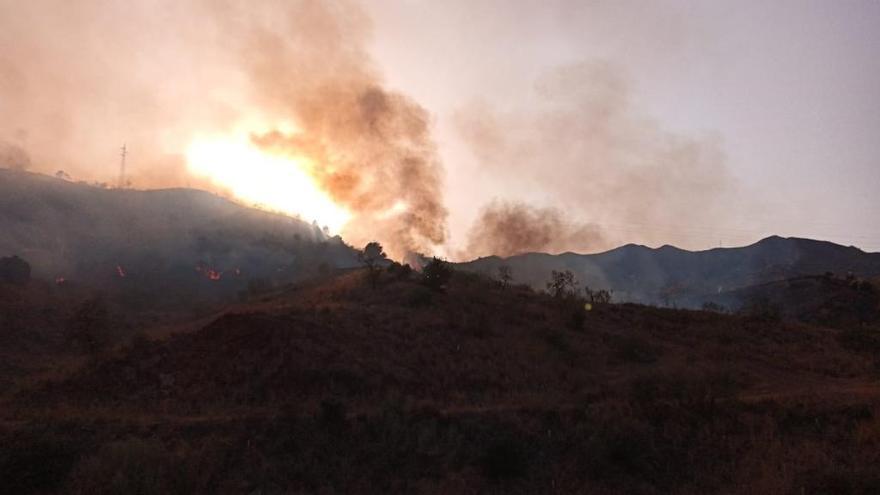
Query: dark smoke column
[(369, 148)]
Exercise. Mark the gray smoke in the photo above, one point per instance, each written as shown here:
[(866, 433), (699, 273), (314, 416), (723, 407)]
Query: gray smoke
[(585, 144), (506, 229)]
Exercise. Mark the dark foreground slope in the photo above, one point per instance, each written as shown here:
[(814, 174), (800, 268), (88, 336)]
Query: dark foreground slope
[(157, 247), (675, 277), (334, 387)]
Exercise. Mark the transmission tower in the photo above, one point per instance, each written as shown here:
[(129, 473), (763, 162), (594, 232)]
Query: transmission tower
[(122, 167)]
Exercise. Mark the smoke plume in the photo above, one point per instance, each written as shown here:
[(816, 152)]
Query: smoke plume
[(505, 229), (82, 78), (370, 148), (580, 143), (14, 157)]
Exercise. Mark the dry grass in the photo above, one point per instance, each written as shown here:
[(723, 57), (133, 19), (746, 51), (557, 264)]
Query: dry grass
[(337, 387)]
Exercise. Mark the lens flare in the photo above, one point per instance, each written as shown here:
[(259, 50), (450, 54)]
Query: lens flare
[(278, 183)]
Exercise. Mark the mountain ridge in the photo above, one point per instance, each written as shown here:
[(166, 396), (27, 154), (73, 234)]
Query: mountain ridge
[(671, 275)]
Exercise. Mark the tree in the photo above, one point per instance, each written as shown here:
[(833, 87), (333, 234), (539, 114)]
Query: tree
[(372, 257), (561, 284), (600, 296), (505, 275), (436, 273)]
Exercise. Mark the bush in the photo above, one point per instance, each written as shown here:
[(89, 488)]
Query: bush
[(505, 276), (600, 296), (398, 271), (562, 284), (373, 257), (713, 307), (436, 274), (15, 271)]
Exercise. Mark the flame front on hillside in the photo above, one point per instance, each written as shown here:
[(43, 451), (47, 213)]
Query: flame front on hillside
[(280, 183)]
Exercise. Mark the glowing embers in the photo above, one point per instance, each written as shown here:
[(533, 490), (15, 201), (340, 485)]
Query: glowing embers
[(208, 272), (214, 274)]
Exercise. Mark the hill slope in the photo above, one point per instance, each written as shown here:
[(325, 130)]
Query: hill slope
[(672, 276), (336, 387), (173, 244)]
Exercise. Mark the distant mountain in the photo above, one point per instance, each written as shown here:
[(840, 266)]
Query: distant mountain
[(672, 276), (159, 245)]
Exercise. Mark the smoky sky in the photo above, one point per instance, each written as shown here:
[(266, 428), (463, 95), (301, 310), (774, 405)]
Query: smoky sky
[(650, 122), (79, 78), (583, 145), (787, 91)]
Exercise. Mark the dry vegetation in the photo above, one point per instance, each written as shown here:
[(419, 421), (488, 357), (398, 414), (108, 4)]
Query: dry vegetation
[(471, 386)]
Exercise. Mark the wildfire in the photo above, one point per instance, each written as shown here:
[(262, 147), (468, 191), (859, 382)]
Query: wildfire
[(279, 183), (208, 272)]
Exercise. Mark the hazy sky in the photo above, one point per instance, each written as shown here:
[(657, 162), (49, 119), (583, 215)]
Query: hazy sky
[(791, 89), (559, 125)]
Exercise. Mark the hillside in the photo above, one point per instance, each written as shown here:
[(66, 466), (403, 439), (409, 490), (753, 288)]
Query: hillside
[(671, 276), (332, 386), (155, 247), (839, 302)]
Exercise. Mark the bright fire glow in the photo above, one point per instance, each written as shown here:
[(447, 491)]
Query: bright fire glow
[(276, 182)]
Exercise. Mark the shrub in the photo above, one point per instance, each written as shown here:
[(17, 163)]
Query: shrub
[(600, 296), (436, 274), (713, 307), (15, 271), (372, 256), (505, 276), (398, 271), (562, 284)]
